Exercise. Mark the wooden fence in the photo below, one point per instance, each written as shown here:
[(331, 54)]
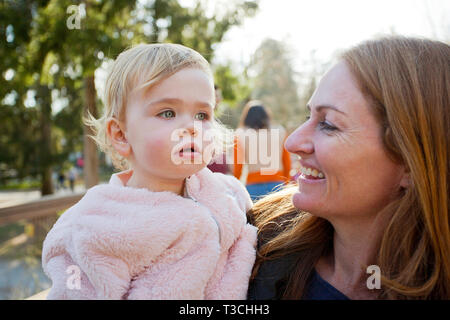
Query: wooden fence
[(38, 209), (42, 214)]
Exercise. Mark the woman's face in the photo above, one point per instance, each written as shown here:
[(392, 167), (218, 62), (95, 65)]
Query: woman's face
[(346, 171)]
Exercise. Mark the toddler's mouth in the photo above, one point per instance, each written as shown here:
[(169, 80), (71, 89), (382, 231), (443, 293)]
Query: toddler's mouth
[(189, 150)]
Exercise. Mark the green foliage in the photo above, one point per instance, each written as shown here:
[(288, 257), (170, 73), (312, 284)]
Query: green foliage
[(21, 185), (274, 82), (43, 64), (235, 91), (227, 82)]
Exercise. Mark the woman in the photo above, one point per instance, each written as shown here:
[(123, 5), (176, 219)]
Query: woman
[(374, 188), (259, 146)]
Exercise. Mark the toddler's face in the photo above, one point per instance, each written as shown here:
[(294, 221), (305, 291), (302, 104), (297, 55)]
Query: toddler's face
[(168, 126)]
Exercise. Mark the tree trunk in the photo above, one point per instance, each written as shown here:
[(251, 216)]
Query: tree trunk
[(90, 149), (45, 158)]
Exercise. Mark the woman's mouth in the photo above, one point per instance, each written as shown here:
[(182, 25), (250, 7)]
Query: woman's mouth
[(311, 174)]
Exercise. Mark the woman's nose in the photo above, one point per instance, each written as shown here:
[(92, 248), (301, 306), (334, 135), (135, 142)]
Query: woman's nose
[(300, 141)]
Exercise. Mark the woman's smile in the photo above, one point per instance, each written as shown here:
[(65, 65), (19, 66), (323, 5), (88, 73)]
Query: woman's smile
[(310, 175)]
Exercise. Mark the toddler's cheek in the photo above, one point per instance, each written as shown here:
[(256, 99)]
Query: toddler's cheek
[(157, 149)]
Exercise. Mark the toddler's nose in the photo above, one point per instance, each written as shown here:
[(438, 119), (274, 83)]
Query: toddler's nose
[(190, 129)]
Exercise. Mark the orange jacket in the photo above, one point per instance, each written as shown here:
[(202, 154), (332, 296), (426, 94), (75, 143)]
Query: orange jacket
[(256, 177)]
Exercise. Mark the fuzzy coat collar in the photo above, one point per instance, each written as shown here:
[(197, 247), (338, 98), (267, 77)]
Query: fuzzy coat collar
[(131, 243)]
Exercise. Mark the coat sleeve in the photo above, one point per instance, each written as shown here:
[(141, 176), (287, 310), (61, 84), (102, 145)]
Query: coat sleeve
[(233, 284), (241, 257), (240, 193), (79, 266), (69, 282)]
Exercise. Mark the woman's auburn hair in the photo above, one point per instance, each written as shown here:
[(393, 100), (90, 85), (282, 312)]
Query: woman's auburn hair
[(407, 81)]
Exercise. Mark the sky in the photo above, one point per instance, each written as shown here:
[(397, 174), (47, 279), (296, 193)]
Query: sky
[(320, 26), (324, 26)]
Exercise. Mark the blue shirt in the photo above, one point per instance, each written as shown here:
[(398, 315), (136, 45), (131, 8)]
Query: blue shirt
[(319, 289), (270, 282)]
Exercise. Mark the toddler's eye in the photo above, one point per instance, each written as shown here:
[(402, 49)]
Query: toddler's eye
[(201, 116), (167, 114)]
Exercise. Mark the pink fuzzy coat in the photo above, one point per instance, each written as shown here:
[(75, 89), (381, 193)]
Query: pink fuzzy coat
[(119, 242)]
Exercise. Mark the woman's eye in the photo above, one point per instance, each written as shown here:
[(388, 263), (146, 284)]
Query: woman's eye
[(326, 126), (201, 116), (167, 114)]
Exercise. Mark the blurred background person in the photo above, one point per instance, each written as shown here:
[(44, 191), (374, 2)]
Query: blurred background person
[(61, 180), (72, 177), (252, 148)]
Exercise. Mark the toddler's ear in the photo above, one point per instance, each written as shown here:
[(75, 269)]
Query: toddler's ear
[(117, 137)]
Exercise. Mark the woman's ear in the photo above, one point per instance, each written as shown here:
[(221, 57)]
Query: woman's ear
[(405, 181), (117, 137)]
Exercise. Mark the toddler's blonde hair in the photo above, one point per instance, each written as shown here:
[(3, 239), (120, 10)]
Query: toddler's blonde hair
[(142, 66)]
